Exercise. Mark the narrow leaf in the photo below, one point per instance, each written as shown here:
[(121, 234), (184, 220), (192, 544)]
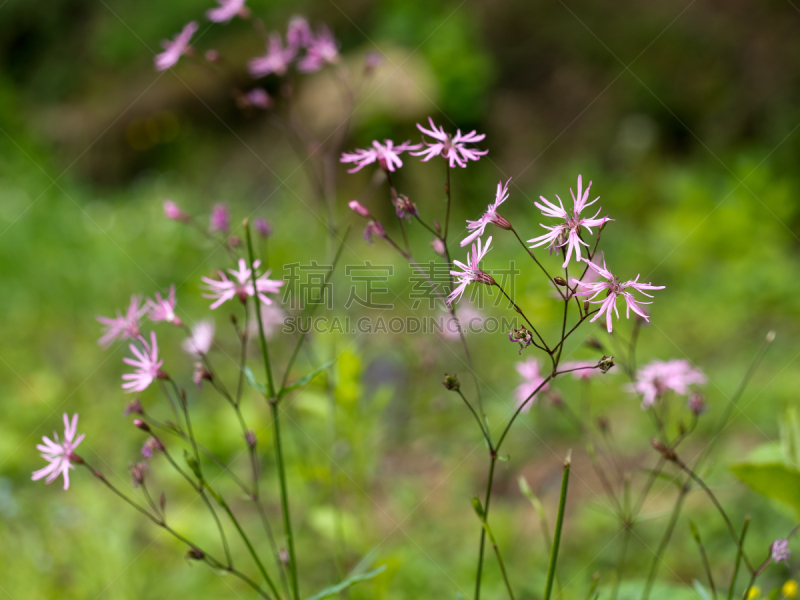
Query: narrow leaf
[(304, 380), (349, 582)]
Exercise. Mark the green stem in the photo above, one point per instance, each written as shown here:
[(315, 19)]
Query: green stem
[(738, 558), (486, 501), (562, 502)]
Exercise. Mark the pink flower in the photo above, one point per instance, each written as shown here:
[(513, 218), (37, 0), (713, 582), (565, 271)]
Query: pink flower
[(147, 365), (658, 377), (298, 33), (227, 10), (490, 216), (374, 228), (450, 148), (59, 454), (220, 221), (176, 48), (613, 288), (581, 369), (322, 49), (358, 208), (201, 340), (438, 246), (241, 286), (569, 233), (272, 318), (163, 309), (779, 549), (152, 444), (123, 327), (387, 155), (173, 211), (532, 379), (470, 271), (276, 60), (256, 98), (263, 227)]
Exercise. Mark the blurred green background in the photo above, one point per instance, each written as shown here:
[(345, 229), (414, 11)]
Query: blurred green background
[(684, 114)]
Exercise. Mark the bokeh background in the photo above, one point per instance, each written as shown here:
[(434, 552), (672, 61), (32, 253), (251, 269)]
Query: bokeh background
[(684, 113)]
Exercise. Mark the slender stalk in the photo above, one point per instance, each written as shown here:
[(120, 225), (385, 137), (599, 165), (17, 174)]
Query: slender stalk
[(493, 540), (536, 260), (562, 502), (703, 558), (273, 405), (732, 586), (544, 347), (477, 419), (482, 545)]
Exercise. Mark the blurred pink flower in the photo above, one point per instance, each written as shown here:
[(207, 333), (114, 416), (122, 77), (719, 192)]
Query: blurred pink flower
[(450, 148), (276, 60), (151, 445), (568, 234), (358, 208), (532, 379), (470, 271), (174, 49), (201, 340), (163, 309), (123, 327), (779, 549), (263, 227), (490, 216), (298, 33), (272, 318), (59, 454), (658, 377), (374, 228), (227, 10), (613, 288), (581, 369), (173, 211), (438, 246), (322, 49), (256, 98), (147, 364), (220, 220), (241, 286), (387, 155)]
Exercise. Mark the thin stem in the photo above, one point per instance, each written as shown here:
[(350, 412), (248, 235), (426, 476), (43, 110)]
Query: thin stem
[(499, 557), (562, 502), (732, 586), (536, 260), (477, 419), (703, 558), (673, 520), (487, 500), (544, 347)]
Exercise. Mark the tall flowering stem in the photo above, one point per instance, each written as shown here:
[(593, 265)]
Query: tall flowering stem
[(562, 502), (273, 405)]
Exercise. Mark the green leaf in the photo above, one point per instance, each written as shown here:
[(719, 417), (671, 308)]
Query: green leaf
[(251, 379), (773, 480), (304, 380), (349, 582), (790, 436)]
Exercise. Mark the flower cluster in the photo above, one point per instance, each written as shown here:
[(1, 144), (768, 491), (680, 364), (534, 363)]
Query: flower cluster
[(320, 49), (654, 380)]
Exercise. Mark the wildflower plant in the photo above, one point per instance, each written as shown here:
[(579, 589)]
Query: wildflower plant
[(582, 286)]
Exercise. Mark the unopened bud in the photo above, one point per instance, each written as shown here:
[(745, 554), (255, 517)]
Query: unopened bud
[(235, 241), (560, 281), (250, 438), (437, 227), (150, 446), (195, 554), (138, 423), (451, 382), (697, 404), (137, 473), (586, 306), (358, 208), (438, 246), (134, 407), (162, 501), (200, 374), (667, 453)]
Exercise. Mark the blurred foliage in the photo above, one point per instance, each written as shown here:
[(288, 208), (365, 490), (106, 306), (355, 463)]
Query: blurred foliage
[(692, 149)]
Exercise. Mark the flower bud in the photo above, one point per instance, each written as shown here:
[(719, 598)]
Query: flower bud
[(438, 246), (501, 222), (358, 208), (250, 438), (162, 501), (404, 207), (134, 407), (200, 374), (374, 228), (235, 241), (586, 306), (212, 55), (697, 404), (560, 281), (263, 228), (137, 473), (151, 445), (195, 554), (140, 424), (172, 211), (451, 382)]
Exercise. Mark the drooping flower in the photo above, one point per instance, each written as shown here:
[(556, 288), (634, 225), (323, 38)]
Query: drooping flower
[(276, 60), (471, 271), (241, 285), (582, 369), (123, 327), (451, 148), (174, 49), (658, 377), (532, 380), (490, 216), (322, 49), (374, 228), (780, 550), (358, 208), (298, 33), (201, 339), (134, 408), (613, 288), (173, 211), (147, 364), (227, 10), (520, 336), (220, 220), (387, 155), (404, 207), (568, 234), (59, 453), (163, 309)]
